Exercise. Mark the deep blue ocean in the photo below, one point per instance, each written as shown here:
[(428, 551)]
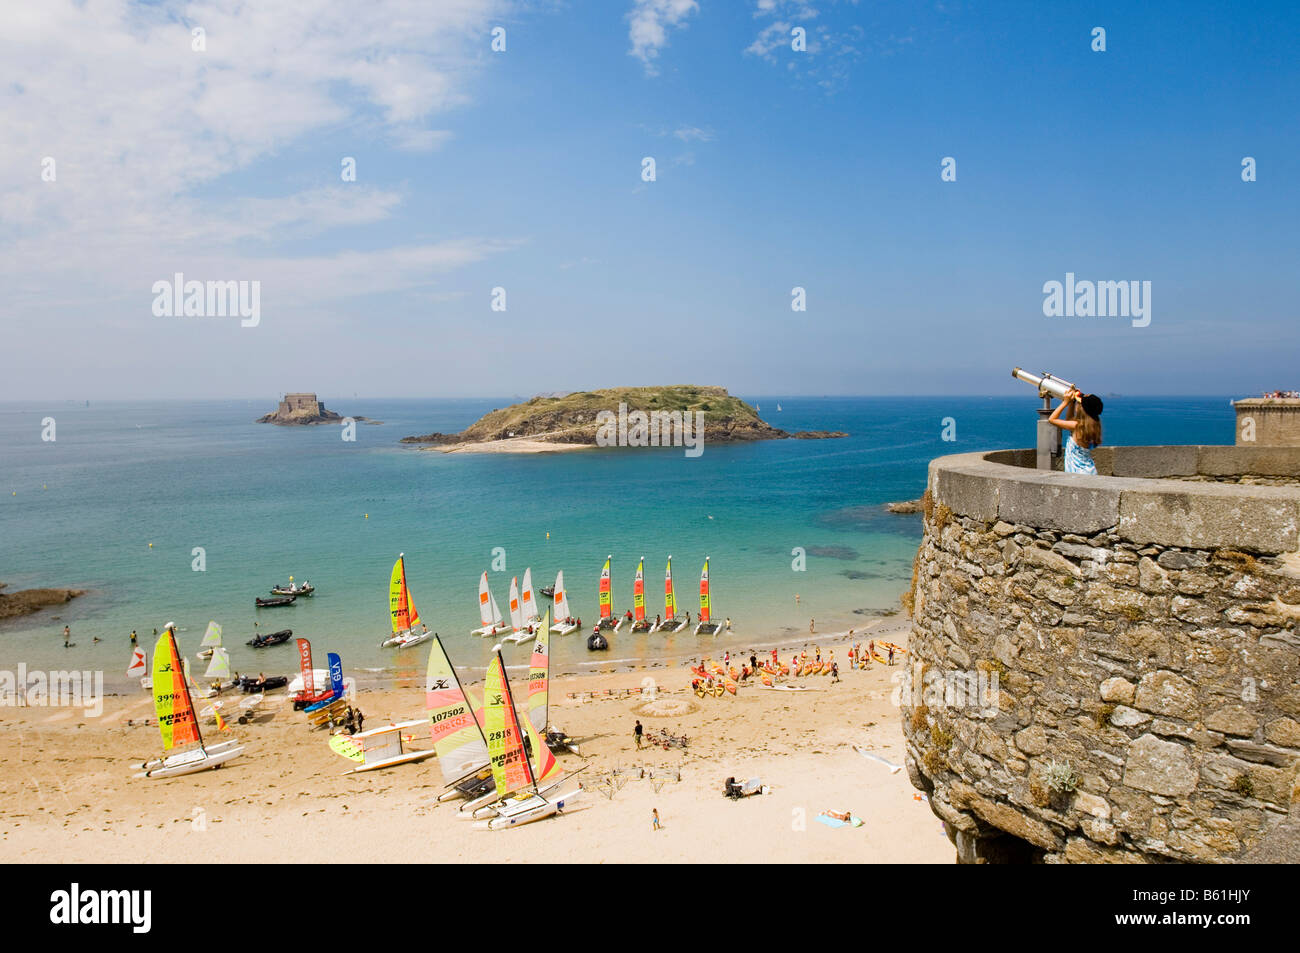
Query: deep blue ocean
[(265, 502)]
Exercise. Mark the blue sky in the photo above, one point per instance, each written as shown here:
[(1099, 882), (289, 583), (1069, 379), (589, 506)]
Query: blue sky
[(521, 169)]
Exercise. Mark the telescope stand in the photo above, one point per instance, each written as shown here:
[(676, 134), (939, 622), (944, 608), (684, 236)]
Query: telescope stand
[(1049, 438)]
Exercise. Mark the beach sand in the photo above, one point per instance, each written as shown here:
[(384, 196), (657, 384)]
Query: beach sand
[(67, 795), (511, 445)]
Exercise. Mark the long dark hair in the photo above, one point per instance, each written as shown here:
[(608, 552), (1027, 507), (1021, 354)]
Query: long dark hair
[(1088, 432)]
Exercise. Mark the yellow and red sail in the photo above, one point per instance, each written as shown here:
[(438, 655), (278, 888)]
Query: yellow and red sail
[(511, 771), (171, 696), (606, 599), (638, 592), (670, 598), (453, 726), (704, 592), (400, 604)]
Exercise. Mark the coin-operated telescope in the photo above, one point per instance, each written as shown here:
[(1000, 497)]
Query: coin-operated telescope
[(1049, 437)]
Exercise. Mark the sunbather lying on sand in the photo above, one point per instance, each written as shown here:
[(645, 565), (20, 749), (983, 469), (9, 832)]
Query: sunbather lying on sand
[(838, 815)]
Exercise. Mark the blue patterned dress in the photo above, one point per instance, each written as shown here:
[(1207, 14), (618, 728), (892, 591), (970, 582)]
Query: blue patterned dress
[(1077, 459)]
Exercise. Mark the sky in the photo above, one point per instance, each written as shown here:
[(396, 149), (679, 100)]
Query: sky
[(516, 177)]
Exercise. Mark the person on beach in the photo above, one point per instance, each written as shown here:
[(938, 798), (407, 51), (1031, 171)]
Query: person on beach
[(1083, 425), (133, 638), (654, 817), (728, 623), (796, 598), (637, 732), (361, 720), (835, 672), (95, 639), (657, 620), (891, 655), (812, 624), (67, 636)]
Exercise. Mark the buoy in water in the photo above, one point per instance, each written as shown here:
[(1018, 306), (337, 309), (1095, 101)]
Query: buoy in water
[(151, 545)]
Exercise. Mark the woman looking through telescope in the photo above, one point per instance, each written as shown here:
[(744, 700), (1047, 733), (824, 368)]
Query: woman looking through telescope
[(1083, 427)]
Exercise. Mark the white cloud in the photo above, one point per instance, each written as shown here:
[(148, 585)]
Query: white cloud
[(147, 133), (687, 133), (649, 22)]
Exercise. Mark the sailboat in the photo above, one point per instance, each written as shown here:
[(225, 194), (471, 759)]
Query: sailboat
[(218, 665), (402, 608), (778, 407), (138, 669), (515, 775), (639, 622), (176, 719), (561, 601), (607, 619), (457, 735), (670, 621), (539, 680), (519, 629), (488, 611), (528, 604), (705, 626), (211, 639)]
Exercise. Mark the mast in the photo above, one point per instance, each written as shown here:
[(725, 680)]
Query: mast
[(510, 709)]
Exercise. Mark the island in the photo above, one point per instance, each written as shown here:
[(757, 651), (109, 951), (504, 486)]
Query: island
[(27, 601), (302, 410), (619, 416)]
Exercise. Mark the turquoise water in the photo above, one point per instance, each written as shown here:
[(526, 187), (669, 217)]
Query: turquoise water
[(265, 502)]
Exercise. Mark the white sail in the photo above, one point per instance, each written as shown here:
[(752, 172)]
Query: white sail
[(219, 667), (137, 668), (561, 598), (486, 604), (212, 637), (516, 612), (529, 604), (496, 620)]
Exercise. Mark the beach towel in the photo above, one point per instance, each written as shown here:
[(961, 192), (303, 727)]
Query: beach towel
[(853, 821)]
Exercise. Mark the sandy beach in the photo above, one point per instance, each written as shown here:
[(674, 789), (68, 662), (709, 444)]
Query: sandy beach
[(510, 445), (68, 794)]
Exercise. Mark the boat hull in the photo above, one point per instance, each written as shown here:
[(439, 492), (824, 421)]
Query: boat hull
[(534, 809), (176, 766)]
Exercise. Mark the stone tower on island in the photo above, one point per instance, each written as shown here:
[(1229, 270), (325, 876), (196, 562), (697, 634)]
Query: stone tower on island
[(301, 409)]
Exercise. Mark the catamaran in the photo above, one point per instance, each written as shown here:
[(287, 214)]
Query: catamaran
[(456, 730), (488, 611), (670, 621), (513, 772), (539, 696), (639, 622), (137, 668), (705, 626), (527, 602), (607, 619), (218, 665), (563, 624), (519, 629), (402, 608), (211, 639), (176, 718)]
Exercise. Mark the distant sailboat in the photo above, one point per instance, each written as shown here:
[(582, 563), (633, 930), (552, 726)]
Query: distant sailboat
[(519, 629), (402, 609), (670, 621), (528, 604), (705, 626), (607, 620), (211, 640), (561, 596), (639, 622), (488, 610), (778, 407)]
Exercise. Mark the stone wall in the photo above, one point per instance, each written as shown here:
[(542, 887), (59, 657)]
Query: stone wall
[(1268, 422), (1134, 641)]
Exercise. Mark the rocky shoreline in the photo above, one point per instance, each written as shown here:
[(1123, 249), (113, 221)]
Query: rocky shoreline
[(26, 601)]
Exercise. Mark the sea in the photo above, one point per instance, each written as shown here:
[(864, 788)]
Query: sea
[(186, 511)]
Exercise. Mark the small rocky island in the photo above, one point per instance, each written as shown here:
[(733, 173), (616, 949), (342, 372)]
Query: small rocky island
[(27, 601), (302, 410), (574, 420)]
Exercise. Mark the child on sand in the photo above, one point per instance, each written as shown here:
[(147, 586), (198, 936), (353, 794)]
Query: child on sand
[(654, 817)]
